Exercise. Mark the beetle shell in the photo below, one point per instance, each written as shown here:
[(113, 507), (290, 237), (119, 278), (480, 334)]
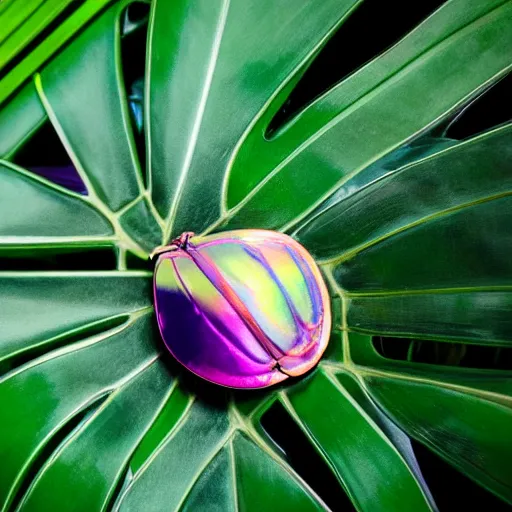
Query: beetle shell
[(243, 309)]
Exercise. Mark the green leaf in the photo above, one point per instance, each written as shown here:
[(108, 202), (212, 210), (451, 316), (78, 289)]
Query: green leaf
[(12, 18), (49, 46), (450, 199), (364, 459), (214, 101), (454, 243), (207, 493), (204, 454), (469, 431), (39, 399), (111, 434), (143, 227), (171, 412), (188, 447), (401, 197), (87, 105), (388, 102), (42, 310), (5, 4), (34, 211), (263, 484), (21, 23), (478, 315), (19, 120)]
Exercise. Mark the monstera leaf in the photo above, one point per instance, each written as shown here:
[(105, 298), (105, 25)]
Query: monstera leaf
[(409, 223)]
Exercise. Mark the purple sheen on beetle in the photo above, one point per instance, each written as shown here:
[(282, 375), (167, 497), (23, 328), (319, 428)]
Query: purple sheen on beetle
[(243, 309)]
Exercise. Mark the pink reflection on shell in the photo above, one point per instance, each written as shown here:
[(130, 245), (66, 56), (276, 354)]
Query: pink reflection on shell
[(243, 309)]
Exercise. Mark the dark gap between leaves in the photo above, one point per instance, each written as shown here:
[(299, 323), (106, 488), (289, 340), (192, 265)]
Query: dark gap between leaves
[(45, 155), (134, 16), (49, 258), (124, 480), (42, 36), (444, 353), (19, 359), (451, 489), (134, 29), (371, 29), (133, 262), (53, 445), (490, 109), (303, 458)]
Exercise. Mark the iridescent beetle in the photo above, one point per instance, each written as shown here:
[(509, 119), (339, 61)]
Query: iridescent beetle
[(243, 309)]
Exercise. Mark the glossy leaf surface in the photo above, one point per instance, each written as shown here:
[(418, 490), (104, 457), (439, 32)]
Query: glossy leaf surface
[(360, 469), (19, 119), (223, 89), (47, 212), (461, 175), (479, 448), (75, 98), (408, 226), (463, 42)]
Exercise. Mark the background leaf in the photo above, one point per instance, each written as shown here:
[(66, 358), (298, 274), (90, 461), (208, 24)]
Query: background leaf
[(214, 102), (35, 211), (387, 109), (450, 421), (38, 401), (79, 99), (44, 310)]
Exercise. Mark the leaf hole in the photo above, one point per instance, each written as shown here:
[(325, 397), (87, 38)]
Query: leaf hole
[(65, 258), (299, 452), (120, 487), (134, 29), (444, 353), (45, 155), (134, 262), (134, 16), (451, 489), (372, 28), (492, 108), (57, 440)]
